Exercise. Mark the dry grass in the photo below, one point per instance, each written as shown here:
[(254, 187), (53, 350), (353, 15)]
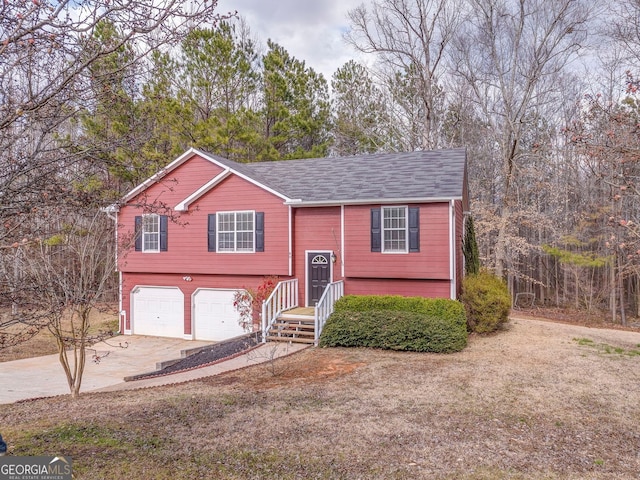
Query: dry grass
[(538, 401), (104, 318)]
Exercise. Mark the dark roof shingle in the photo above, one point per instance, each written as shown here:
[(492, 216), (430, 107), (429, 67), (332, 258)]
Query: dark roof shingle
[(432, 174)]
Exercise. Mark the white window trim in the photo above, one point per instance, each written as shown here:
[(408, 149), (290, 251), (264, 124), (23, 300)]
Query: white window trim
[(406, 230), (235, 239), (144, 233)]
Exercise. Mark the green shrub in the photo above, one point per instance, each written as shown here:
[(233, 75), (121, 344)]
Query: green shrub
[(435, 307), (396, 323), (487, 302)]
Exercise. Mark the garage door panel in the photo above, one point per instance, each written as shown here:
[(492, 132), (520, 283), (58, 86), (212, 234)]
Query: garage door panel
[(158, 311), (215, 317)]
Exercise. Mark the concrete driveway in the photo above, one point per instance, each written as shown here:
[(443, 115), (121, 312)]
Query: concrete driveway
[(44, 377)]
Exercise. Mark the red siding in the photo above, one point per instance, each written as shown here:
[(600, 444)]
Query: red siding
[(131, 280), (406, 288), (187, 234), (432, 262), (316, 229), (425, 273), (178, 184)]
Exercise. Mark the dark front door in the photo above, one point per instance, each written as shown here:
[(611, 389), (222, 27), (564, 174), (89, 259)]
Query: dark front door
[(319, 271)]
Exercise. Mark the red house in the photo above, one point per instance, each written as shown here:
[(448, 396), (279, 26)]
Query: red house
[(205, 227)]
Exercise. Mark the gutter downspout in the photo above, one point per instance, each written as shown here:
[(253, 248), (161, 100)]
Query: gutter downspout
[(112, 212)]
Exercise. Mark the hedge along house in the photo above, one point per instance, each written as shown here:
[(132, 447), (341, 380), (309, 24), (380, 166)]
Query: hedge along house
[(205, 227)]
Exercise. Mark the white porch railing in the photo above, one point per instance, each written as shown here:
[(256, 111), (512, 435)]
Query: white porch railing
[(283, 297), (324, 307)]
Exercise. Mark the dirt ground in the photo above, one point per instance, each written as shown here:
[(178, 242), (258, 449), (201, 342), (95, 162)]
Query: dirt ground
[(540, 400)]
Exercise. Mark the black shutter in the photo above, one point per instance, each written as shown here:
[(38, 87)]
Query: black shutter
[(414, 229), (138, 233), (211, 232), (259, 231), (164, 227), (376, 236)]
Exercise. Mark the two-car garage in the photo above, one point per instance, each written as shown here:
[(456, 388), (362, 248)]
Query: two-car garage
[(160, 311)]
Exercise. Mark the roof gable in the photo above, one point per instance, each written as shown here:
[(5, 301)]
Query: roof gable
[(166, 171)]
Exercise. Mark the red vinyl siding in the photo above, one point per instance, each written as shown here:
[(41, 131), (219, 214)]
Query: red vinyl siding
[(406, 288), (316, 229), (432, 262), (178, 184), (187, 233)]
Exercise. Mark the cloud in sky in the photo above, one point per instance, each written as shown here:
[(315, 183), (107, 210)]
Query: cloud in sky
[(309, 30)]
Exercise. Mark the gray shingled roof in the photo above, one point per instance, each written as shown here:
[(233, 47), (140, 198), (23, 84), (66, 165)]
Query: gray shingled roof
[(433, 174)]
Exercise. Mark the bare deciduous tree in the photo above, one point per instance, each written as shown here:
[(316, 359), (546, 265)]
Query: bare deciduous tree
[(46, 55), (56, 248), (72, 271), (411, 39), (511, 56)]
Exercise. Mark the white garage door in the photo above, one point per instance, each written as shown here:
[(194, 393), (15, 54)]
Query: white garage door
[(215, 317), (158, 311)]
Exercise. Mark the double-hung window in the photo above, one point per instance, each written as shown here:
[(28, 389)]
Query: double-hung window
[(236, 231), (151, 233), (394, 229)]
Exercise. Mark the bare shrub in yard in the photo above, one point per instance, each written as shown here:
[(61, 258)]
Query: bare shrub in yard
[(248, 302), (268, 356)]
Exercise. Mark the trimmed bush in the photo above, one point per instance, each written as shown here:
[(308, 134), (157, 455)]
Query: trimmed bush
[(435, 307), (396, 323), (487, 302)]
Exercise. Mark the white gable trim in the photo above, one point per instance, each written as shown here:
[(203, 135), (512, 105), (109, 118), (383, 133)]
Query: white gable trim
[(183, 206), (201, 191), (161, 174), (261, 185)]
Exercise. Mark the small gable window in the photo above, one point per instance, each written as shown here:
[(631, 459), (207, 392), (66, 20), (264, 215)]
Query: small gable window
[(151, 233), (235, 232)]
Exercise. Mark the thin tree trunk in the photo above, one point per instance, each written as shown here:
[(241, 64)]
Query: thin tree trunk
[(637, 296), (623, 316), (612, 295)]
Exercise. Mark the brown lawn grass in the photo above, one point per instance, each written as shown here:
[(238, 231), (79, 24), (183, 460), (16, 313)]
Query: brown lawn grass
[(541, 400), (104, 318)]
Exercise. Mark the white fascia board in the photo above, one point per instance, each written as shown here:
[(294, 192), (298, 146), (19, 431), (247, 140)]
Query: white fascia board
[(370, 201), (262, 186), (183, 158), (243, 176), (162, 173), (183, 206)]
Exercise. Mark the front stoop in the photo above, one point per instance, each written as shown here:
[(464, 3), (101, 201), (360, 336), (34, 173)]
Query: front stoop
[(293, 328)]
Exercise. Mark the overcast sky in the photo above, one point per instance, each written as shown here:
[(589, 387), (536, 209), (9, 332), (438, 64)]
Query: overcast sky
[(310, 30)]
